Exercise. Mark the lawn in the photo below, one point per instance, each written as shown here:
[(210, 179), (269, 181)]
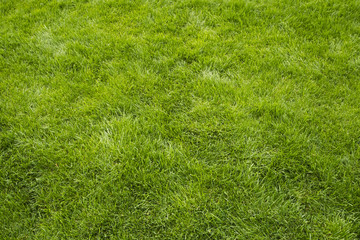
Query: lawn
[(193, 119)]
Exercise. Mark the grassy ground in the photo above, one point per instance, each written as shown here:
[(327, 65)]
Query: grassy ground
[(180, 119)]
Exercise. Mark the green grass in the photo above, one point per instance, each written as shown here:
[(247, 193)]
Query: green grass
[(180, 119)]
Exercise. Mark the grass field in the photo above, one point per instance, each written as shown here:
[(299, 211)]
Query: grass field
[(233, 119)]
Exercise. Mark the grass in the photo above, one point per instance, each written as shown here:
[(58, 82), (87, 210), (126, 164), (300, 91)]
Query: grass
[(185, 119)]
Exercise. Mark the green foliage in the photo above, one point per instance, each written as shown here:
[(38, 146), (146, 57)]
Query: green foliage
[(191, 119)]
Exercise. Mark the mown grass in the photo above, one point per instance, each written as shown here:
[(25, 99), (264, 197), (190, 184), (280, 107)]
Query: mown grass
[(180, 119)]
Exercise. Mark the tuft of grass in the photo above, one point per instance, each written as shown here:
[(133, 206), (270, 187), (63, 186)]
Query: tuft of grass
[(188, 119)]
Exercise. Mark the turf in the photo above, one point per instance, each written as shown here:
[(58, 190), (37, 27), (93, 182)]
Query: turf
[(180, 119)]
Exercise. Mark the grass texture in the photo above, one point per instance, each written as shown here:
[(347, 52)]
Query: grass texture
[(194, 119)]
